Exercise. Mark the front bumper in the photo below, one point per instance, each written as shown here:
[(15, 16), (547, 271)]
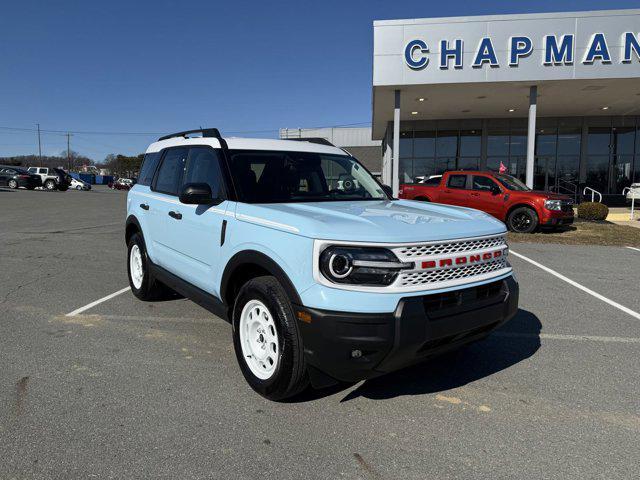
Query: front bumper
[(356, 346), (552, 218)]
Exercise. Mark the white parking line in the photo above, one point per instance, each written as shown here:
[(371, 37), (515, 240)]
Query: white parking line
[(558, 336), (577, 285), (634, 248), (97, 302)]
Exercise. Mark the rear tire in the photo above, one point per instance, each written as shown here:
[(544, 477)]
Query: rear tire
[(140, 281), (13, 184), (50, 185), (523, 220), (267, 340)]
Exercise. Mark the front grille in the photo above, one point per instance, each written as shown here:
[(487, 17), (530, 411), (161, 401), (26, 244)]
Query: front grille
[(415, 278), (449, 247)]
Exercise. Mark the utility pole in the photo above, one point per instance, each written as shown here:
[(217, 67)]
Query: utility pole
[(39, 147), (68, 152)]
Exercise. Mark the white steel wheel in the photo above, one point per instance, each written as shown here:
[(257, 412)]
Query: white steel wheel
[(135, 266), (259, 339)]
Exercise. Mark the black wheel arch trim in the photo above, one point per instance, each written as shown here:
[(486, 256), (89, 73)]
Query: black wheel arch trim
[(131, 220), (253, 257)]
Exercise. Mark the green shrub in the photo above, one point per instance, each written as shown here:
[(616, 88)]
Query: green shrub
[(593, 211)]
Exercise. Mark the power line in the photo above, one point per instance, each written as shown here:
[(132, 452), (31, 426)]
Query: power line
[(86, 132)]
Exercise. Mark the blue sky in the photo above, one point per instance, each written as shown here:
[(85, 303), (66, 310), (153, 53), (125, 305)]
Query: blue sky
[(248, 68)]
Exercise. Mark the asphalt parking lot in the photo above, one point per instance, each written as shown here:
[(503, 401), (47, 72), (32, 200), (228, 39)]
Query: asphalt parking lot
[(152, 390)]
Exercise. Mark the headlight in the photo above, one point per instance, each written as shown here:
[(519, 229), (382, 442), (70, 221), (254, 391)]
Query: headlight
[(360, 265), (553, 204)]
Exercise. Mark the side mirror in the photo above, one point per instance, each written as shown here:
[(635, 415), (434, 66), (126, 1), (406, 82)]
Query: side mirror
[(388, 190), (196, 194), (495, 190)]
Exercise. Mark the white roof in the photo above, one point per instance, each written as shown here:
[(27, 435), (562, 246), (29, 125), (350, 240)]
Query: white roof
[(235, 143)]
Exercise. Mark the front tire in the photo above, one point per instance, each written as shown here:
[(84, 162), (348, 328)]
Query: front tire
[(140, 281), (13, 184), (523, 220), (267, 340)]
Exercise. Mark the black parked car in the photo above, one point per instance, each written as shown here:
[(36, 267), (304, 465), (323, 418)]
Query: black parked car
[(14, 177)]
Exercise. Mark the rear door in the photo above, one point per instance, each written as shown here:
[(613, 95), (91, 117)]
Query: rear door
[(484, 195), (163, 202), (195, 238), (455, 191)]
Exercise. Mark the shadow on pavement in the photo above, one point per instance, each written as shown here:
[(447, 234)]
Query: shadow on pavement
[(452, 370)]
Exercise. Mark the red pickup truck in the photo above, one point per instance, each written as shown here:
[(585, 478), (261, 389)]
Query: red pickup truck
[(503, 196)]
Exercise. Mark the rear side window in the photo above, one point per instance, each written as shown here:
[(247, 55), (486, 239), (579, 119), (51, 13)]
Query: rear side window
[(457, 181), (203, 166), (44, 170), (483, 183), (148, 168), (170, 173)]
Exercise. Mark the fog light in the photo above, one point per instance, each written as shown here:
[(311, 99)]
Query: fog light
[(356, 353)]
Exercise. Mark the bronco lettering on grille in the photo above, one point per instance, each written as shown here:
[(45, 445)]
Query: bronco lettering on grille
[(461, 260)]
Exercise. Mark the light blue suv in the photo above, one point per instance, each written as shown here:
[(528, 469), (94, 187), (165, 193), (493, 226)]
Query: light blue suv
[(323, 275)]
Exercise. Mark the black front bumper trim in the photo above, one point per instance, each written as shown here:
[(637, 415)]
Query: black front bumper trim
[(420, 327)]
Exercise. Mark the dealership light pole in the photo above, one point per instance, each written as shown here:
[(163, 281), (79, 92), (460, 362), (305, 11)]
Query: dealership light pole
[(531, 134), (395, 163)]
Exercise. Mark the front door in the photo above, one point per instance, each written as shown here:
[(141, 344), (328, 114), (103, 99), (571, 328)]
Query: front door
[(487, 195), (194, 239)]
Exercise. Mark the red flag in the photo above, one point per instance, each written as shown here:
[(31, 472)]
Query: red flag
[(503, 169)]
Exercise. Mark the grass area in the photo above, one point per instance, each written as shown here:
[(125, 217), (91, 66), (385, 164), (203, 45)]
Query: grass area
[(584, 233)]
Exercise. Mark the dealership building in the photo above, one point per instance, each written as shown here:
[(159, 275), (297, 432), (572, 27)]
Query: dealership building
[(553, 99)]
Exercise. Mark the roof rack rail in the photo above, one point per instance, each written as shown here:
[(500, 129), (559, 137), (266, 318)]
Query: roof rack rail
[(318, 140), (206, 132)]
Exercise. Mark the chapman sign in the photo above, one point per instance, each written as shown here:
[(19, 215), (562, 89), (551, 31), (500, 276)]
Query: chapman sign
[(556, 50)]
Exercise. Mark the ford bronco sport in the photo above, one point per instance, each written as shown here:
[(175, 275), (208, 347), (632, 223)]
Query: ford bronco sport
[(323, 275)]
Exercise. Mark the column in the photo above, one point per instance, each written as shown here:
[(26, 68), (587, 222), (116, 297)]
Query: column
[(395, 175), (531, 134)]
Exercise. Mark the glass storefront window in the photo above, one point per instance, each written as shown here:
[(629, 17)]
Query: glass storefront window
[(447, 143), (623, 140), (598, 172), (518, 143), (445, 163), (498, 144), (569, 141), (598, 140), (622, 173), (468, 163), (470, 143), (423, 167), (406, 144), (424, 144)]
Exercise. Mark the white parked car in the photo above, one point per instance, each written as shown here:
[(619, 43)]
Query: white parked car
[(78, 184), (634, 193)]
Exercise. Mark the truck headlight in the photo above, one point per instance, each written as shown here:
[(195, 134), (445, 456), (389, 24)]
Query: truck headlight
[(553, 204), (360, 265)]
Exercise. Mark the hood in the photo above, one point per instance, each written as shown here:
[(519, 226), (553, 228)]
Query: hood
[(546, 195), (385, 221)]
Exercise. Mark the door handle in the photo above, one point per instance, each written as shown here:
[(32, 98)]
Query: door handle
[(475, 194), (447, 191), (144, 206), (176, 215)]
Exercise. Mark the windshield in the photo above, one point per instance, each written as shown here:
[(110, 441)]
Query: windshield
[(512, 183), (282, 177)]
